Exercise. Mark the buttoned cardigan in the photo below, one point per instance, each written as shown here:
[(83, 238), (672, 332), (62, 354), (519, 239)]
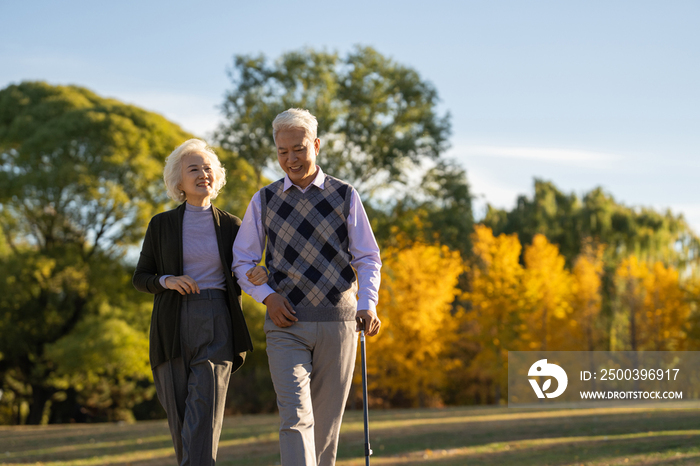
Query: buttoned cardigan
[(161, 254)]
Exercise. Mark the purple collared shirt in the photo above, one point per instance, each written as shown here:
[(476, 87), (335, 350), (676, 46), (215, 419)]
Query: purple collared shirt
[(250, 243)]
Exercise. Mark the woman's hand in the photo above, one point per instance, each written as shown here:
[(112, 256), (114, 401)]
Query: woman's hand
[(183, 284), (257, 275)]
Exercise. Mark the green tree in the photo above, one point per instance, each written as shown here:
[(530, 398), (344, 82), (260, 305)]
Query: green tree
[(241, 183), (80, 175), (568, 222), (377, 118), (439, 209), (549, 212)]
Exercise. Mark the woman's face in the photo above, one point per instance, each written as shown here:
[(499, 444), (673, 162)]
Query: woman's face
[(197, 179)]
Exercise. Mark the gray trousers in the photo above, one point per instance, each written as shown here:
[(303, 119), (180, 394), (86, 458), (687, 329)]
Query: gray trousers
[(311, 364), (192, 388)]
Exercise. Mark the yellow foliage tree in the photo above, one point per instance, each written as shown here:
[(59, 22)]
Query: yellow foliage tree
[(666, 310), (587, 298), (548, 287), (653, 309), (692, 287), (629, 280), (496, 296), (407, 361)]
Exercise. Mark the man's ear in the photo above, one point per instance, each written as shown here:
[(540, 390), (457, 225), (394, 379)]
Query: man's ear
[(317, 145)]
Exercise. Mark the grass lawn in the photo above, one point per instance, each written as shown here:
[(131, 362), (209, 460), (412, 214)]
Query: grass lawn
[(453, 436)]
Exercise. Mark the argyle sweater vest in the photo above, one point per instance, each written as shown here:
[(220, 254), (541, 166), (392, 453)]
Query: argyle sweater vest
[(307, 249)]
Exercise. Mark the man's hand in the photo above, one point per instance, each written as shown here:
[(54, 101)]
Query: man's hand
[(257, 275), (279, 310), (372, 322), (183, 284)]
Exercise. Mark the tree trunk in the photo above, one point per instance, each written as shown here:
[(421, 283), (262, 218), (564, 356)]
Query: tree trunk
[(544, 329), (633, 317), (40, 396)]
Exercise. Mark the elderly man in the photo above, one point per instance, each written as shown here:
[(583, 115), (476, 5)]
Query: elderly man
[(319, 238)]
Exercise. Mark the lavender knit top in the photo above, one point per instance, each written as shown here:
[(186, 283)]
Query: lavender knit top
[(200, 252)]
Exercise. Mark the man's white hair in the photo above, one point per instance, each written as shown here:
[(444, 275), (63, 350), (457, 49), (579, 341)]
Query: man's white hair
[(295, 118), (172, 174)]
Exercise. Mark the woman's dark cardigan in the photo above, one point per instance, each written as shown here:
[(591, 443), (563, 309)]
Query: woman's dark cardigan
[(161, 254)]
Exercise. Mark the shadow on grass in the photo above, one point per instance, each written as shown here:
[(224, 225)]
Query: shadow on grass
[(454, 436), (549, 437), (649, 450)]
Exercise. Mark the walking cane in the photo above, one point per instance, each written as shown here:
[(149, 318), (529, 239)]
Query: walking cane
[(368, 450)]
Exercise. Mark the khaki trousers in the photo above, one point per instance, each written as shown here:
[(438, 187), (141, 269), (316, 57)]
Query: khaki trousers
[(192, 388), (311, 364)]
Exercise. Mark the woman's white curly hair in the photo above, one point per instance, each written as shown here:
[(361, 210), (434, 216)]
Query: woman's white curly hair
[(172, 174)]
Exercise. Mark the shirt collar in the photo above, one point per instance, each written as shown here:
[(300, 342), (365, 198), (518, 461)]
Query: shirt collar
[(319, 181)]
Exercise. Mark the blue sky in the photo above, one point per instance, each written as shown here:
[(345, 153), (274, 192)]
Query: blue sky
[(585, 94)]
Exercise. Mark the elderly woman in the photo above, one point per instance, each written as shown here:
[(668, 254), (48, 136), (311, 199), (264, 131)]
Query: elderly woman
[(198, 333)]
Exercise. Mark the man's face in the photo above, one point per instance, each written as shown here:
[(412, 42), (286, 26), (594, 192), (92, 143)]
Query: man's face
[(296, 153)]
